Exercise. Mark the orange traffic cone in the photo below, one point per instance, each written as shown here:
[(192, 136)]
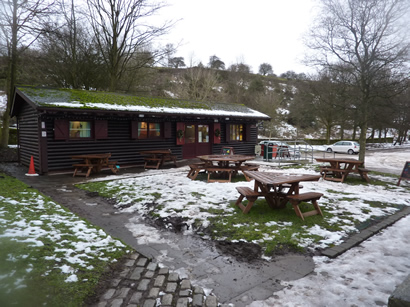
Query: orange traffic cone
[(31, 170)]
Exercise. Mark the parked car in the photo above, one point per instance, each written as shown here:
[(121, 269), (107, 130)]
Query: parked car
[(349, 147), (284, 149)]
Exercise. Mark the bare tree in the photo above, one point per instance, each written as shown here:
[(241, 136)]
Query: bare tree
[(20, 26), (237, 82), (198, 83), (401, 119), (216, 63), (122, 30), (240, 68), (330, 101), (176, 62), (290, 75), (265, 69), (363, 35), (69, 50)]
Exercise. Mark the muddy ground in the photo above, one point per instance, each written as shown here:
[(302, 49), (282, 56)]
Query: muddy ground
[(242, 251)]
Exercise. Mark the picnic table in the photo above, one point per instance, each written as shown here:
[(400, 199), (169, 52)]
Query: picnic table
[(221, 165), (157, 158), (278, 189), (337, 169), (93, 162)]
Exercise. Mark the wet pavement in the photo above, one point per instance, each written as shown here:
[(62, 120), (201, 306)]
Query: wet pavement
[(181, 270)]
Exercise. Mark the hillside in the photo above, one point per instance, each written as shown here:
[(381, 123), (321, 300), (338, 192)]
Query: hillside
[(268, 94), (287, 101)]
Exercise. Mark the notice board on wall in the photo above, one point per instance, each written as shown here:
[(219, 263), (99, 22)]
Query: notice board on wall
[(405, 174)]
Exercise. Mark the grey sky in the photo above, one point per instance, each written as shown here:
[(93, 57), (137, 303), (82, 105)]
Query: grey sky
[(240, 31)]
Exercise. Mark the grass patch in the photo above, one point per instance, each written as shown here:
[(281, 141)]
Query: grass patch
[(48, 256), (197, 195), (156, 195), (202, 176), (100, 187), (272, 229)]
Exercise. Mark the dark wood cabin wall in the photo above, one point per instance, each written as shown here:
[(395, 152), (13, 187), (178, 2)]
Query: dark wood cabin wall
[(240, 148), (28, 136), (119, 143)]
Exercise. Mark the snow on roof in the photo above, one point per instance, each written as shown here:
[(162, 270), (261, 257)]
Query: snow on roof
[(81, 99)]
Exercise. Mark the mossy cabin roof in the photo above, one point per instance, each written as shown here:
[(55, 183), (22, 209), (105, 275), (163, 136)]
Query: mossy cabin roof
[(92, 100)]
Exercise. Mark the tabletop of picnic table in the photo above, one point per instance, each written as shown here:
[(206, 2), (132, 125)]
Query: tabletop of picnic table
[(272, 178)]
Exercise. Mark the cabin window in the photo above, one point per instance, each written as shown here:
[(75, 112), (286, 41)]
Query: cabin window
[(236, 133), (203, 134), (80, 129), (149, 130), (189, 134)]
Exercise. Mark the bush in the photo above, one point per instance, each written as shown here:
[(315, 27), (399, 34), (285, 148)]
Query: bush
[(12, 136)]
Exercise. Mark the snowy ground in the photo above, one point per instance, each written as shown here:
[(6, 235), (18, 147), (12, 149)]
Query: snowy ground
[(176, 195), (386, 160), (44, 249), (391, 159), (364, 276)]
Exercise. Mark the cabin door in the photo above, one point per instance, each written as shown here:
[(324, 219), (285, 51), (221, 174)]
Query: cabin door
[(197, 141)]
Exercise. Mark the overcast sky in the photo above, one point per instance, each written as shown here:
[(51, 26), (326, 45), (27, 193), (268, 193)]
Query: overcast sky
[(240, 31)]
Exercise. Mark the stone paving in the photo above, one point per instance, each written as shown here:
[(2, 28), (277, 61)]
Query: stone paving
[(141, 282)]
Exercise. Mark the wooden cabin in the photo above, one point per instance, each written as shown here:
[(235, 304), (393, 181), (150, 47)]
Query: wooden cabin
[(54, 124)]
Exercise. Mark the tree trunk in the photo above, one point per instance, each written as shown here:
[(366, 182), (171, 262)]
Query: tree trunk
[(73, 33), (363, 125), (342, 131), (113, 80), (372, 135), (362, 141), (11, 79), (328, 130), (5, 130), (354, 131)]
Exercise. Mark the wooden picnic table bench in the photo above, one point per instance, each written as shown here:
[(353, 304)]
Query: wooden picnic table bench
[(220, 169), (195, 169), (227, 165), (156, 158), (313, 197), (271, 186), (250, 195), (363, 173), (248, 167), (83, 169), (339, 168), (93, 163)]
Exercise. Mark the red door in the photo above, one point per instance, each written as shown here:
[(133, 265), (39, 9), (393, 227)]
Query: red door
[(197, 140)]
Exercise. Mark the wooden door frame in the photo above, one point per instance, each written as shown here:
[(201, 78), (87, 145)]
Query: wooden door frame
[(196, 144)]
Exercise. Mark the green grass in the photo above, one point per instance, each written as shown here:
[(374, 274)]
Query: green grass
[(204, 177), (272, 229), (31, 263)]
